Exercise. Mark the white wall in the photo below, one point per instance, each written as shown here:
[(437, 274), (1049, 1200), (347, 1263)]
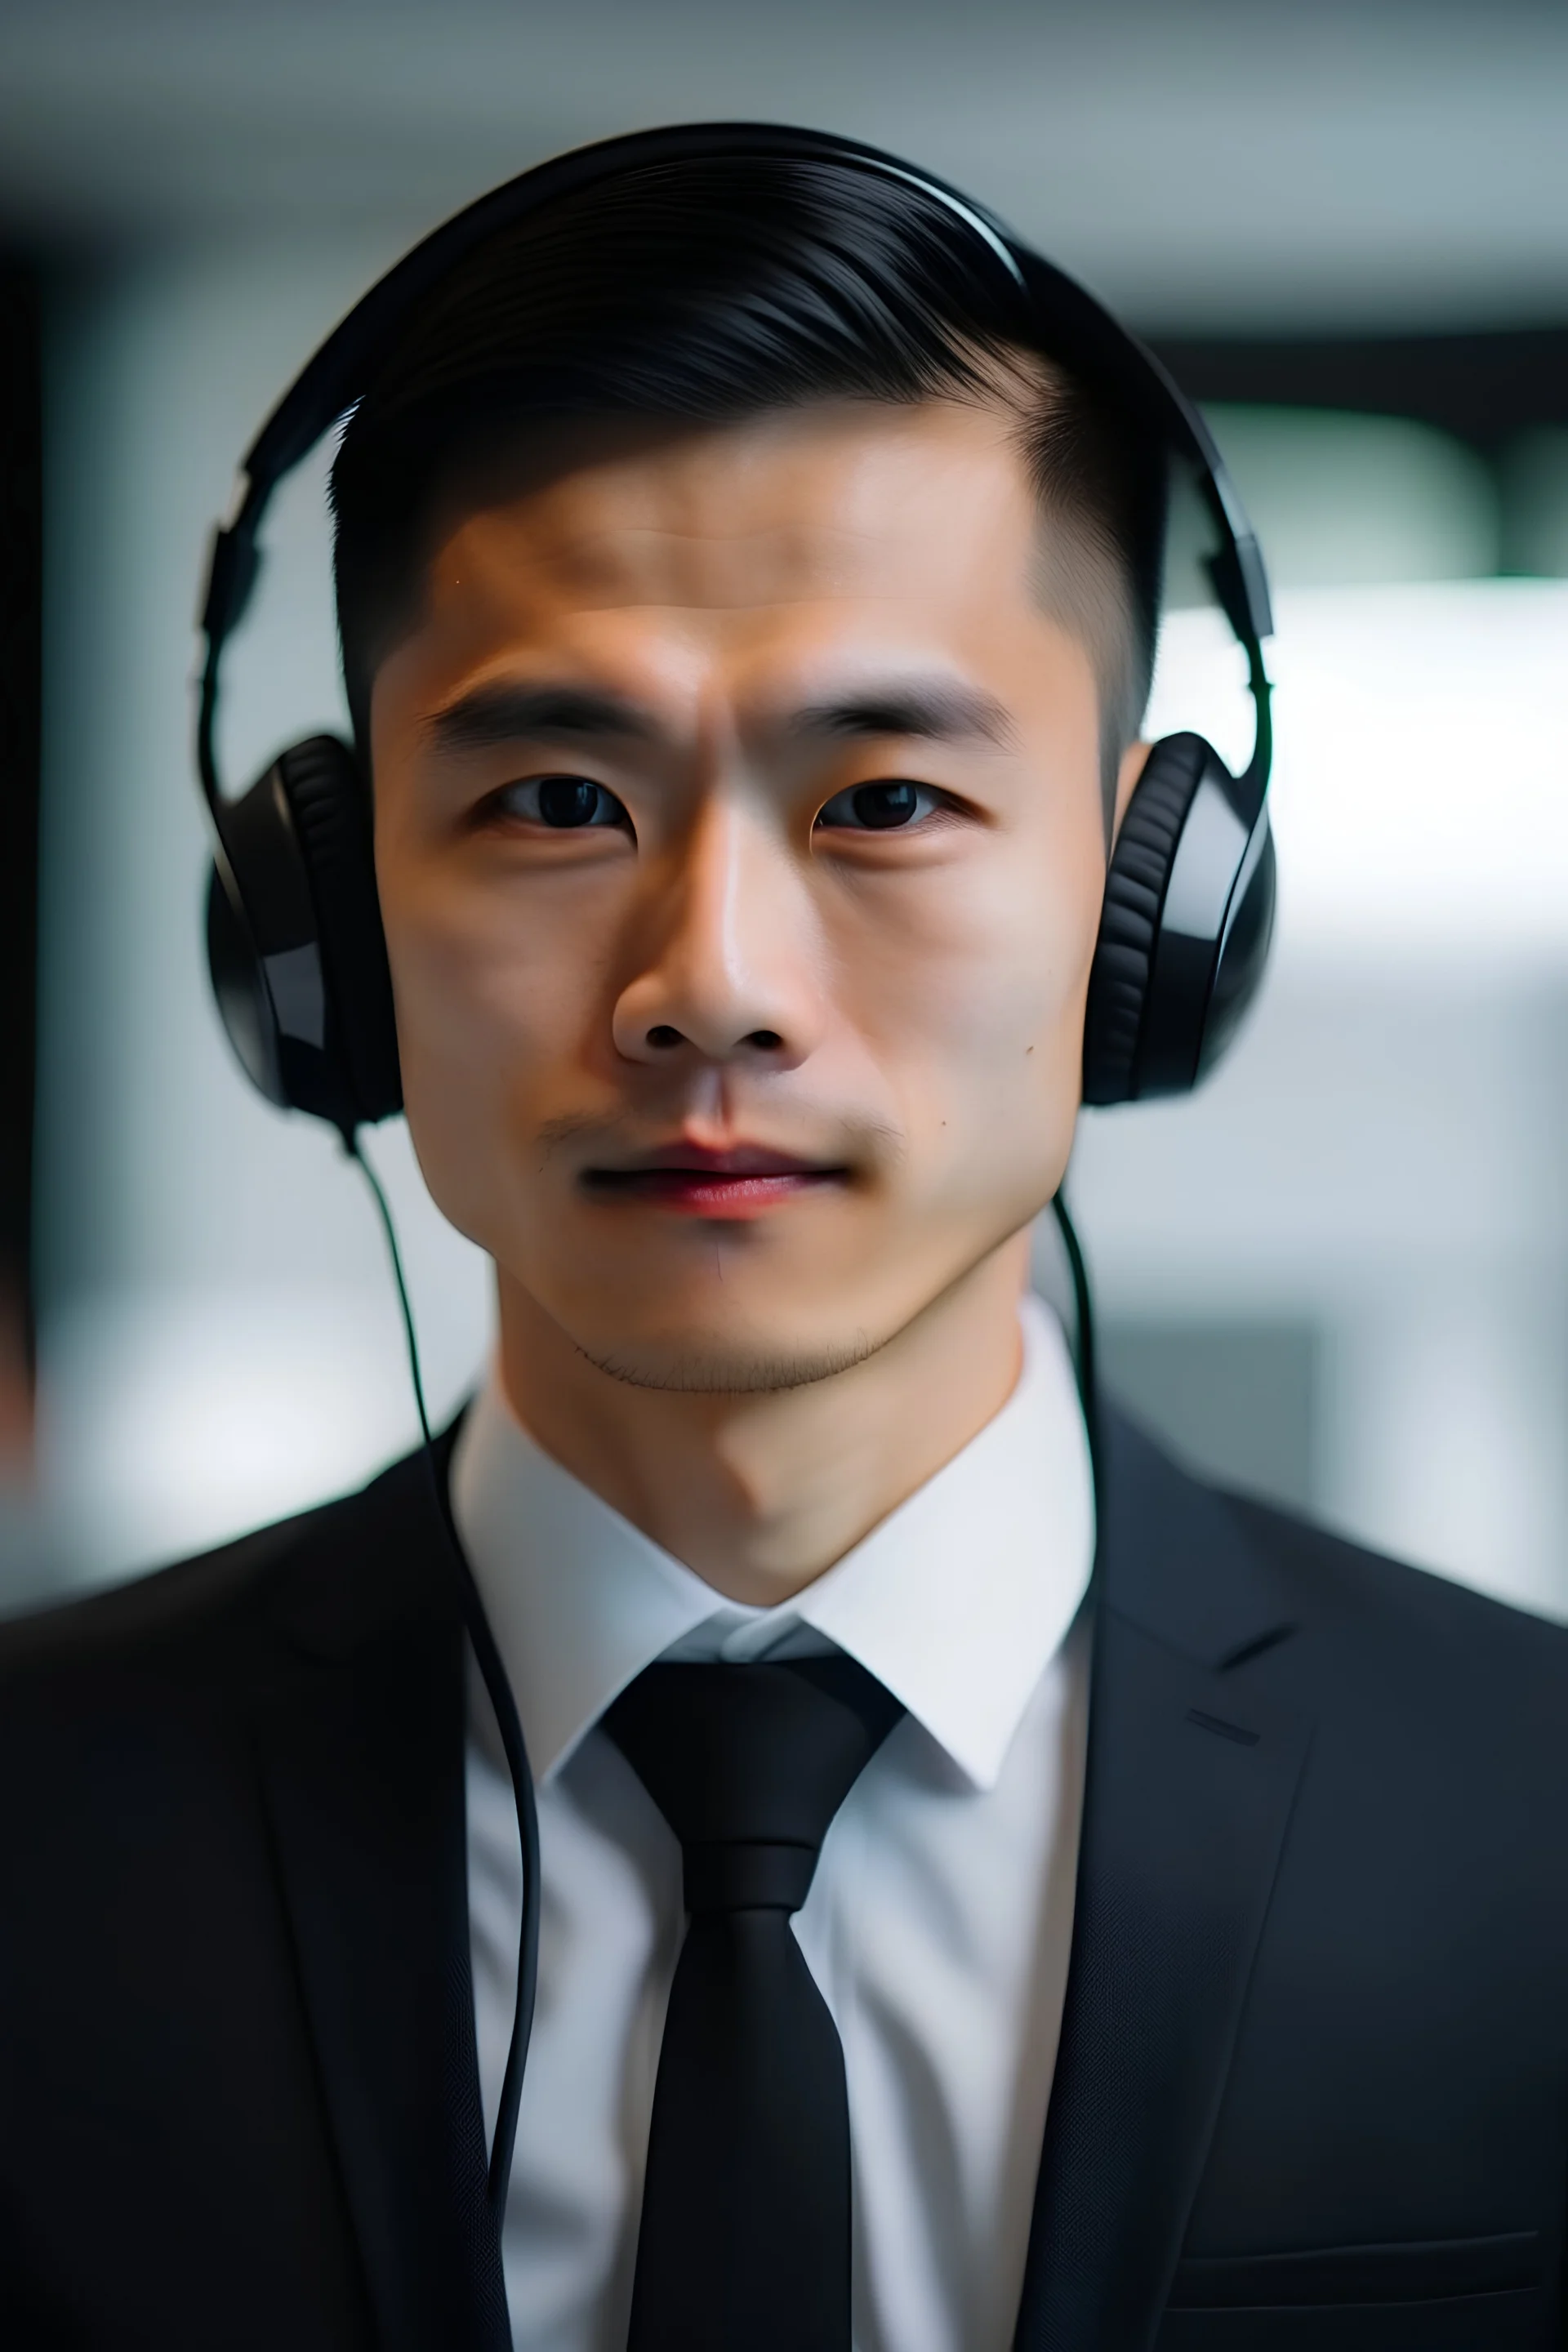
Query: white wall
[(1377, 1160), (1383, 1155)]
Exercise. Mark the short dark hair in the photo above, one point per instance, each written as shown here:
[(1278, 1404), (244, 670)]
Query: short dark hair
[(713, 288)]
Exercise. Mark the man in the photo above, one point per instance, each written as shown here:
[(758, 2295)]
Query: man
[(746, 630)]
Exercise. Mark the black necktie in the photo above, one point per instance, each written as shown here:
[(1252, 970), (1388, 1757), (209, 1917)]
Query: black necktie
[(744, 2243)]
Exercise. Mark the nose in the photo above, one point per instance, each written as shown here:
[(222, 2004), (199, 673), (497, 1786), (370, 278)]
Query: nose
[(728, 969)]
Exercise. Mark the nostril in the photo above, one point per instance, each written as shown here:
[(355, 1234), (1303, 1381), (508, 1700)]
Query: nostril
[(767, 1041), (664, 1036)]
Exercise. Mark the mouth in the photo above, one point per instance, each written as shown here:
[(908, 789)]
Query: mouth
[(693, 1181)]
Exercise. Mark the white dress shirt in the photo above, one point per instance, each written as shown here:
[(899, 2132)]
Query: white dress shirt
[(938, 1922)]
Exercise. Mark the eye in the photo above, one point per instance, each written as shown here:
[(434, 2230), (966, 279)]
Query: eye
[(562, 803), (881, 807)]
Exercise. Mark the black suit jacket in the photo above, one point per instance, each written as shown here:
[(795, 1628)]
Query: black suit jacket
[(1312, 2088)]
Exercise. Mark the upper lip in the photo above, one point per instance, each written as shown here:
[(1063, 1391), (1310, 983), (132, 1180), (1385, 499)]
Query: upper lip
[(700, 1159)]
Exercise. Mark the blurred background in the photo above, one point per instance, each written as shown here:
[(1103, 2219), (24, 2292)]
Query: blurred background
[(1338, 1275)]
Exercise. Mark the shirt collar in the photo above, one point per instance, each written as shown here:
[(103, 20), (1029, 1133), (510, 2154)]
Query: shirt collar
[(957, 1602)]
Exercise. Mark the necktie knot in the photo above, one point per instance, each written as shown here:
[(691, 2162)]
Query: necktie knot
[(750, 1877), (749, 1765)]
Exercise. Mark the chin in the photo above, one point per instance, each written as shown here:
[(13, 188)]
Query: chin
[(702, 1361)]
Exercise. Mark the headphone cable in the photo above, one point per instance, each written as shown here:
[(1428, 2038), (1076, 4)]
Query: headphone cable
[(507, 1723)]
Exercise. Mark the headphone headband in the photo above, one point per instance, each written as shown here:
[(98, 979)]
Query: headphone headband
[(342, 370)]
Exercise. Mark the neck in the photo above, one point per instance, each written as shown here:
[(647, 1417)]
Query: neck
[(759, 1494)]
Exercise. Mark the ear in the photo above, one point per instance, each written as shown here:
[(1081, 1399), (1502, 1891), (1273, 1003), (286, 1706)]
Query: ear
[(1134, 761)]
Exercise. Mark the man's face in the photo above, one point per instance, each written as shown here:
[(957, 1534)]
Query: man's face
[(741, 849)]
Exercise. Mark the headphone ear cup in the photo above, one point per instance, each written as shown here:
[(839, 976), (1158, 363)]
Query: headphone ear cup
[(294, 941), (330, 806), (238, 972), (1185, 929)]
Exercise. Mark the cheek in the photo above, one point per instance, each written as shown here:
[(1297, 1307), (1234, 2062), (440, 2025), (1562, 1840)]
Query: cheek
[(974, 1000), (498, 992)]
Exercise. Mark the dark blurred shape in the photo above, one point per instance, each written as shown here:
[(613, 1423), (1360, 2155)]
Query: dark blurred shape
[(21, 570), (1504, 394), (21, 647), (1483, 388)]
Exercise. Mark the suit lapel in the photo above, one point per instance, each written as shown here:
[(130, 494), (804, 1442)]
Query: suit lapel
[(1190, 1783), (361, 1730)]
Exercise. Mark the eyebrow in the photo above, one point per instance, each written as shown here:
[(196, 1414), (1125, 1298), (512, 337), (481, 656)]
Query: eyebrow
[(936, 712), (492, 716)]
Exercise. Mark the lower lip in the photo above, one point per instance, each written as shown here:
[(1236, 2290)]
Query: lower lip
[(699, 1192)]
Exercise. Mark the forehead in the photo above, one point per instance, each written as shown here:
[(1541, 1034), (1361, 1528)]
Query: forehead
[(847, 517)]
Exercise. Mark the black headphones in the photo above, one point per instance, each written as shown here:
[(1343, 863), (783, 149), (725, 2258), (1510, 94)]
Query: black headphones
[(294, 937)]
